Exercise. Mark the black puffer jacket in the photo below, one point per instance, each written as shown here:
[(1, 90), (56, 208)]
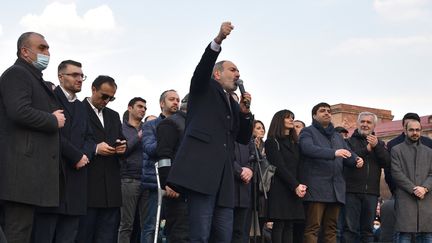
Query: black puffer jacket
[(367, 178)]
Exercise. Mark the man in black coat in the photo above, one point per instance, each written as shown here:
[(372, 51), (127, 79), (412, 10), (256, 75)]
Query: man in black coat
[(204, 161), (169, 135), (101, 223), (30, 119), (363, 184), (77, 147)]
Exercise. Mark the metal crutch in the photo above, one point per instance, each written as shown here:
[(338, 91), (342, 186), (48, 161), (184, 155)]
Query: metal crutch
[(161, 193)]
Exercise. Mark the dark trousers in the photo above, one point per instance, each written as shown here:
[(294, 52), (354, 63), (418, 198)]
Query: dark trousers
[(241, 226), (321, 215), (177, 223), (100, 225), (18, 222), (55, 228), (148, 218), (282, 231), (132, 199), (360, 211), (208, 222)]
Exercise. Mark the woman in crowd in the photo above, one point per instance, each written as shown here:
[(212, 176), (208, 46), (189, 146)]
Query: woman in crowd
[(285, 205)]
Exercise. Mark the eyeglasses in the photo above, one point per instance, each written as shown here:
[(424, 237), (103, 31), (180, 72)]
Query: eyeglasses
[(107, 97), (414, 130), (76, 75)]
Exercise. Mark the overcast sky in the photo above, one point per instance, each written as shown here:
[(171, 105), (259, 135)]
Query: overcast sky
[(291, 54)]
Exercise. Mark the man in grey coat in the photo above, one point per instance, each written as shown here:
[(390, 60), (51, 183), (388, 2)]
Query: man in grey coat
[(30, 119), (411, 168)]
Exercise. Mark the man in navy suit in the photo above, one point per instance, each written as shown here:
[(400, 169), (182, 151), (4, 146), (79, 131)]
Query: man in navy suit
[(104, 198), (203, 166), (76, 148)]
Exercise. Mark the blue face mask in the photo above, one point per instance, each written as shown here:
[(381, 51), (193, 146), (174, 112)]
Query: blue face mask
[(41, 62)]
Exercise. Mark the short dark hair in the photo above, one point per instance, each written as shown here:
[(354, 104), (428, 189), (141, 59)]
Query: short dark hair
[(62, 66), (317, 106), (164, 94), (23, 40), (411, 116), (277, 127), (101, 79), (135, 100)]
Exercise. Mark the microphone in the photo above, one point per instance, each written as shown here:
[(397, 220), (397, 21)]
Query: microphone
[(239, 83)]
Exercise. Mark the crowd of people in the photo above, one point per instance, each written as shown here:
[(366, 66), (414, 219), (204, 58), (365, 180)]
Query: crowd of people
[(75, 171)]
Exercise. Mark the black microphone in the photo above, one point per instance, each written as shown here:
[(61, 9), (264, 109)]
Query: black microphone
[(239, 83)]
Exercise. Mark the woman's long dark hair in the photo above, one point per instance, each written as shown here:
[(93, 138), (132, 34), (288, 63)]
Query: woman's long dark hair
[(277, 126)]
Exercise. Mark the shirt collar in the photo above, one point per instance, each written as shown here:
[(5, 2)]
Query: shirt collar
[(69, 97)]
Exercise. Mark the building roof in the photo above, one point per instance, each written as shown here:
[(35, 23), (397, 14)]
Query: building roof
[(390, 128)]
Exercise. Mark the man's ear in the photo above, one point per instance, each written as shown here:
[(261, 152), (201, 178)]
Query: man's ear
[(217, 74)]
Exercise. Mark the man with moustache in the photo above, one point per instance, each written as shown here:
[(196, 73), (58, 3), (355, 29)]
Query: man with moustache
[(169, 104), (363, 184), (324, 154), (411, 168), (30, 119), (77, 147), (203, 167), (104, 199)]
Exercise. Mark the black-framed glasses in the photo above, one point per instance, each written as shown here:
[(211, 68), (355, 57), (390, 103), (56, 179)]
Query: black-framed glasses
[(76, 75), (107, 97)]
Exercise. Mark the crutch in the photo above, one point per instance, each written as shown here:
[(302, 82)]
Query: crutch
[(161, 193)]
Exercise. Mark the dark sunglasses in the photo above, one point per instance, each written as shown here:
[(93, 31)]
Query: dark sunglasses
[(107, 97)]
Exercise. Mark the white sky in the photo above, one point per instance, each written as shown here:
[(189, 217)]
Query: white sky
[(291, 54)]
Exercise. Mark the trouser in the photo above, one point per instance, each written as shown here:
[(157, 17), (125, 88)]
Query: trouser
[(241, 226), (208, 222), (55, 228), (100, 225), (132, 198), (18, 220), (177, 223), (319, 215), (148, 221), (405, 237), (360, 211)]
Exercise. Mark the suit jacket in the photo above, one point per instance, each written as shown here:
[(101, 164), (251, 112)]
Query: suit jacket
[(204, 161), (76, 139), (29, 138), (103, 180)]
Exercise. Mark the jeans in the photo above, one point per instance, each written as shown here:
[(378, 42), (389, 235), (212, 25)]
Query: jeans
[(132, 197), (360, 211), (148, 221), (404, 237), (208, 222)]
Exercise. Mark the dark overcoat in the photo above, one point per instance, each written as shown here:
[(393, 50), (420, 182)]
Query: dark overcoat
[(103, 172), (76, 139), (321, 171), (242, 191), (29, 138), (283, 202), (204, 161)]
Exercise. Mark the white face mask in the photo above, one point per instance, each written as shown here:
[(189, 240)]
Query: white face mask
[(376, 226)]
